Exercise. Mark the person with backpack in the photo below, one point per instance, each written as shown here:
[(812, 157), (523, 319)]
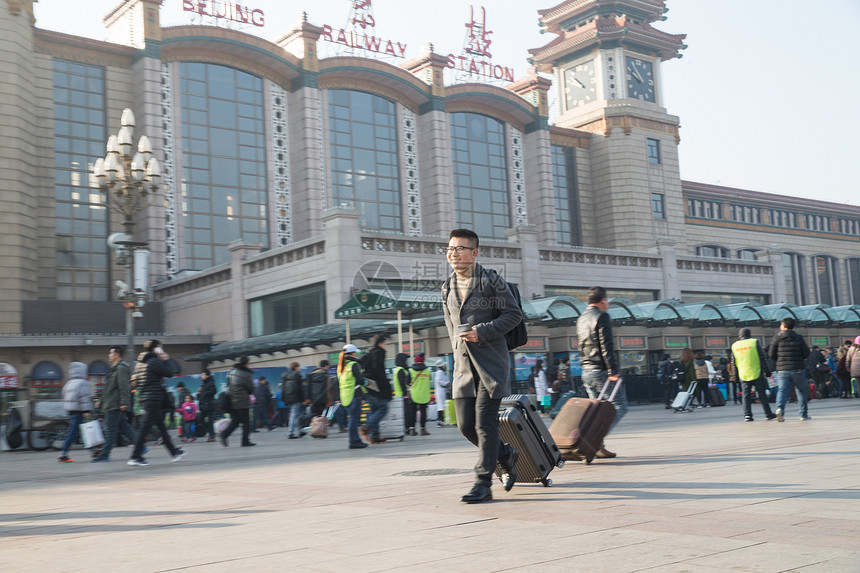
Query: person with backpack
[(480, 311), (153, 398), (598, 357), (665, 373)]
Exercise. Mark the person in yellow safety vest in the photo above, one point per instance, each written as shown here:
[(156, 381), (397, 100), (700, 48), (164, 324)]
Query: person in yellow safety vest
[(749, 366), (352, 389), (401, 381), (419, 394)]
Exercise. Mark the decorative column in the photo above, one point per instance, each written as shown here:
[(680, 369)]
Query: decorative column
[(434, 135), (308, 171)]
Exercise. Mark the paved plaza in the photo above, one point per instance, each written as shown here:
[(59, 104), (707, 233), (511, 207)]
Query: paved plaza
[(700, 492)]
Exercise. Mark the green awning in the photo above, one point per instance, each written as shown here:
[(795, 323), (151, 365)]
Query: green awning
[(410, 303)]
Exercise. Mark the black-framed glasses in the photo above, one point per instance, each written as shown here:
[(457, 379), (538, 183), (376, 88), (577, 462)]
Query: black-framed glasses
[(458, 249)]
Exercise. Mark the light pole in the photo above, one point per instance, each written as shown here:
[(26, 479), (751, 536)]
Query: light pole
[(129, 183)]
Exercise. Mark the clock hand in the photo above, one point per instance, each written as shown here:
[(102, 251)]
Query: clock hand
[(582, 85), (636, 75)]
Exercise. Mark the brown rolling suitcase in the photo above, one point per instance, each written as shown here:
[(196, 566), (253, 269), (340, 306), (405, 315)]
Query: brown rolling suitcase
[(582, 423), (521, 426)]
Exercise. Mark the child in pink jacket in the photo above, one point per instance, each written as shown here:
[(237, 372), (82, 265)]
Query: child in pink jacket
[(189, 413)]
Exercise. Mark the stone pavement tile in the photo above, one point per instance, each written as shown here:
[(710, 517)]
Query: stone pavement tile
[(792, 554), (838, 564)]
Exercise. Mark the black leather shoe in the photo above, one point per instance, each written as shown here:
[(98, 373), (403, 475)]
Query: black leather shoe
[(509, 475), (478, 494)]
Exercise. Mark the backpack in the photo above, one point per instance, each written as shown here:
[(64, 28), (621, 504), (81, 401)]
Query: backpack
[(518, 335), (138, 376)]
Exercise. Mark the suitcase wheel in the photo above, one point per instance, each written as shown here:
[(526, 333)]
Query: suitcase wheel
[(547, 482), (588, 460), (560, 464)]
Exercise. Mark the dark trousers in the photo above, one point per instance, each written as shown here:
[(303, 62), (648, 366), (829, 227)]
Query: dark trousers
[(412, 410), (701, 391), (669, 392), (746, 399), (153, 416), (260, 417), (736, 388), (478, 421), (206, 417), (116, 422), (240, 416)]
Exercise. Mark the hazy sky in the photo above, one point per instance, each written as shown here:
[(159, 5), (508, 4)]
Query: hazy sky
[(766, 92)]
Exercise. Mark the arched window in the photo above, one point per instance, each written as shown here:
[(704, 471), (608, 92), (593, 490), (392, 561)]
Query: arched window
[(748, 254), (795, 287), (364, 160), (46, 380), (712, 251), (481, 195), (97, 371), (826, 279), (223, 177)]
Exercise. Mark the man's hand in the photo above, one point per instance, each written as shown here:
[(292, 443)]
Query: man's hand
[(469, 335), (123, 408), (614, 378)]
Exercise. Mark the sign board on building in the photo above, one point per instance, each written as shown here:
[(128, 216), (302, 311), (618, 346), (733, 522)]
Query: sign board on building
[(9, 381), (574, 343), (221, 10), (676, 341), (416, 348), (632, 342), (536, 344), (716, 342), (820, 340), (476, 59)]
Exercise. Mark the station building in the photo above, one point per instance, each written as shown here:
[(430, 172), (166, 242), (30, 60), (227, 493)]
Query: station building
[(296, 186)]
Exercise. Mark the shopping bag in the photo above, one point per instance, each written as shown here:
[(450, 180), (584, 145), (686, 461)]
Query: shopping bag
[(221, 425), (91, 434)]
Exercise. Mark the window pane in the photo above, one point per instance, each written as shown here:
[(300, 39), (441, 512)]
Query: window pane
[(224, 159), (478, 146), (365, 168)]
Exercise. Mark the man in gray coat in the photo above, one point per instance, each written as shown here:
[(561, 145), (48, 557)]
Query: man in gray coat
[(115, 402), (479, 309)]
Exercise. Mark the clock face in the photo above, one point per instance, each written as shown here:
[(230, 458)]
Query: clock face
[(640, 79), (580, 85)]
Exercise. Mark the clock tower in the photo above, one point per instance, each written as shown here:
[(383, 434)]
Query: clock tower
[(605, 61)]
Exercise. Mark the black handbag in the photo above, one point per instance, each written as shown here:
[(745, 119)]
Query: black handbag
[(224, 403)]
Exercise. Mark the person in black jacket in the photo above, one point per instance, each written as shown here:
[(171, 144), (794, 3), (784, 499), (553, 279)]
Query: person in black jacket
[(262, 400), (292, 395), (665, 369), (153, 395), (789, 351), (318, 388), (206, 403), (380, 397), (597, 352)]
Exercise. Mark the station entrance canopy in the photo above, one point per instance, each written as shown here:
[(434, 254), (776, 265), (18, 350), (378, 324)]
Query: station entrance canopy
[(376, 314)]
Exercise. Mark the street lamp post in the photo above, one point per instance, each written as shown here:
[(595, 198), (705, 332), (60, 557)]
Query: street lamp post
[(128, 184)]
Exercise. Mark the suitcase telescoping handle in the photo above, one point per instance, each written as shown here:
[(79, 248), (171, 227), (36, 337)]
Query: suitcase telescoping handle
[(614, 390)]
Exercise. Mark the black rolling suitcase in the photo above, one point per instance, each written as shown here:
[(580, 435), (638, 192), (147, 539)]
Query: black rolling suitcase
[(521, 426)]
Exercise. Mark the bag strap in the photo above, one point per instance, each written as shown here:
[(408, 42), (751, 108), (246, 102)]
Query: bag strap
[(614, 390)]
